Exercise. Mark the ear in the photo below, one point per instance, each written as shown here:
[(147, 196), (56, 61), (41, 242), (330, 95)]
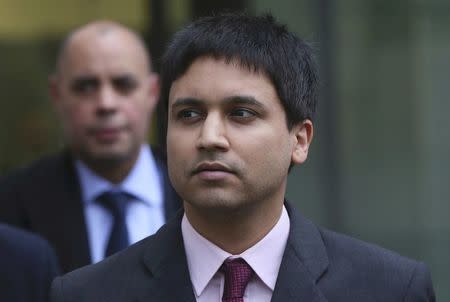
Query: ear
[(153, 89), (303, 134), (53, 89)]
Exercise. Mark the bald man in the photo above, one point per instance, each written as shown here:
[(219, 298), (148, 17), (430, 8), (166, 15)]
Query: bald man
[(107, 188)]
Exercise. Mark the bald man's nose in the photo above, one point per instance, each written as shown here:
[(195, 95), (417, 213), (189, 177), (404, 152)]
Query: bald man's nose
[(107, 98)]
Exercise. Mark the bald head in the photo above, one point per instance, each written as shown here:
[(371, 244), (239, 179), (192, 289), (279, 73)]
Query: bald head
[(104, 93), (98, 30)]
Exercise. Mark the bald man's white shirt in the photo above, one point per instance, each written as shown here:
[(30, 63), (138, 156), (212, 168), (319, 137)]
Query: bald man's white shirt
[(205, 258), (145, 213)]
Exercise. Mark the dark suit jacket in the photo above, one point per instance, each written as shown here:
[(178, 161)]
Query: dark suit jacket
[(45, 198), (317, 266), (27, 266)]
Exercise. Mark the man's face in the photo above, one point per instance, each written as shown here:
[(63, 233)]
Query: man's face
[(228, 144), (104, 94)]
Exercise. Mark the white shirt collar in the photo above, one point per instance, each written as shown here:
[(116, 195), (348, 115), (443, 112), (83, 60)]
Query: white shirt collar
[(143, 181), (205, 258)]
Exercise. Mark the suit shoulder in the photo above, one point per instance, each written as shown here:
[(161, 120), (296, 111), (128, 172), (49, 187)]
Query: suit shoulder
[(343, 246), (26, 249), (131, 257), (33, 172), (27, 266), (93, 282), (27, 190), (40, 165), (371, 266), (108, 279), (21, 242), (120, 268)]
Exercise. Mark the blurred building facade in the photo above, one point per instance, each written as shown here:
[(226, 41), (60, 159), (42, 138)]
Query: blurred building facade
[(379, 167)]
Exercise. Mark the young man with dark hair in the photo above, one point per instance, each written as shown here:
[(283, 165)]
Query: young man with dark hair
[(240, 94)]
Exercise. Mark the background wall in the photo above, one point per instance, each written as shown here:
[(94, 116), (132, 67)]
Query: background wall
[(379, 167)]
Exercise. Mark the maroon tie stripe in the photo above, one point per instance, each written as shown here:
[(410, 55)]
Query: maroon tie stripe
[(237, 275)]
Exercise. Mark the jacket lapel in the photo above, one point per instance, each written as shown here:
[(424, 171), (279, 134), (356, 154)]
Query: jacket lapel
[(166, 260), (304, 262)]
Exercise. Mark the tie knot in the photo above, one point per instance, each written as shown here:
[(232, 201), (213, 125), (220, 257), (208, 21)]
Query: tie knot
[(237, 275), (115, 202)]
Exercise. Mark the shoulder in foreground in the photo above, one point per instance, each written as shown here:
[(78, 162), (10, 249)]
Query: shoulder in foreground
[(27, 250), (19, 242)]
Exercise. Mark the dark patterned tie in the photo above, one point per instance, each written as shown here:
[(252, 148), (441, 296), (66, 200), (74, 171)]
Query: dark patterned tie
[(116, 203), (237, 275)]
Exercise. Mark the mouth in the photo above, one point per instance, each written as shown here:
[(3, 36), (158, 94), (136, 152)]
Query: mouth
[(106, 135), (211, 166), (212, 171)]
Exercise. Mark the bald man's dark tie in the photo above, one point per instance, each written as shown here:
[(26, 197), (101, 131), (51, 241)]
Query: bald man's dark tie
[(116, 203), (237, 275)]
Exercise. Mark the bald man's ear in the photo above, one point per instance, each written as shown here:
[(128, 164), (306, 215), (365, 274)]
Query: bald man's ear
[(53, 89), (302, 135), (153, 88)]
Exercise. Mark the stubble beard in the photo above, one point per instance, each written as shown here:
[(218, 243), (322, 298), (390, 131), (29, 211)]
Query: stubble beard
[(218, 209)]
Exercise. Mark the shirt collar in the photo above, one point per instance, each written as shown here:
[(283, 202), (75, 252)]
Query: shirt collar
[(264, 257), (143, 181)]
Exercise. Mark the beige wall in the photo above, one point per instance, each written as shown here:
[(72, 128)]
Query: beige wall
[(25, 19)]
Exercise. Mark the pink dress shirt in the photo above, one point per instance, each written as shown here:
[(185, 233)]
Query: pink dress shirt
[(205, 258)]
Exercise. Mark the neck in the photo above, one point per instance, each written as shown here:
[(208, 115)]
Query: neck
[(115, 173), (113, 170), (234, 231)]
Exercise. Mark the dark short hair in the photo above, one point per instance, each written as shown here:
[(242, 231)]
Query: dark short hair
[(257, 43)]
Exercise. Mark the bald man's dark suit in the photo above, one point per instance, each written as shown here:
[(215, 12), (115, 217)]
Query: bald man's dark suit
[(27, 266), (317, 266), (45, 198)]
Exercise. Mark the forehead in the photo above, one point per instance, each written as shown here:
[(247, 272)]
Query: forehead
[(212, 79), (112, 52)]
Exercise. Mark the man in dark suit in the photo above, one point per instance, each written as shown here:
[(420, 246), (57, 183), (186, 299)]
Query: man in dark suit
[(240, 94), (104, 92), (27, 266)]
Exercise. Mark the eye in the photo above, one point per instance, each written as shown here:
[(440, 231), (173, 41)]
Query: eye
[(84, 86), (243, 113), (125, 84), (188, 114)]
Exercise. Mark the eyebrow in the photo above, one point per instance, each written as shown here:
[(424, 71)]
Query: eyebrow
[(84, 78), (187, 102), (79, 81), (235, 100)]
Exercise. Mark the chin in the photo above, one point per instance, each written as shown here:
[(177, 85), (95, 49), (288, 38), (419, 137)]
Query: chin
[(107, 155), (221, 203)]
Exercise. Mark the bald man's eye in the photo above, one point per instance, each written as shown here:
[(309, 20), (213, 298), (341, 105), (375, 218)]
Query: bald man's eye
[(125, 84), (85, 86)]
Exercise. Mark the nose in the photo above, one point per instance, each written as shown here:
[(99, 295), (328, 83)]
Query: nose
[(107, 99), (212, 134)]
